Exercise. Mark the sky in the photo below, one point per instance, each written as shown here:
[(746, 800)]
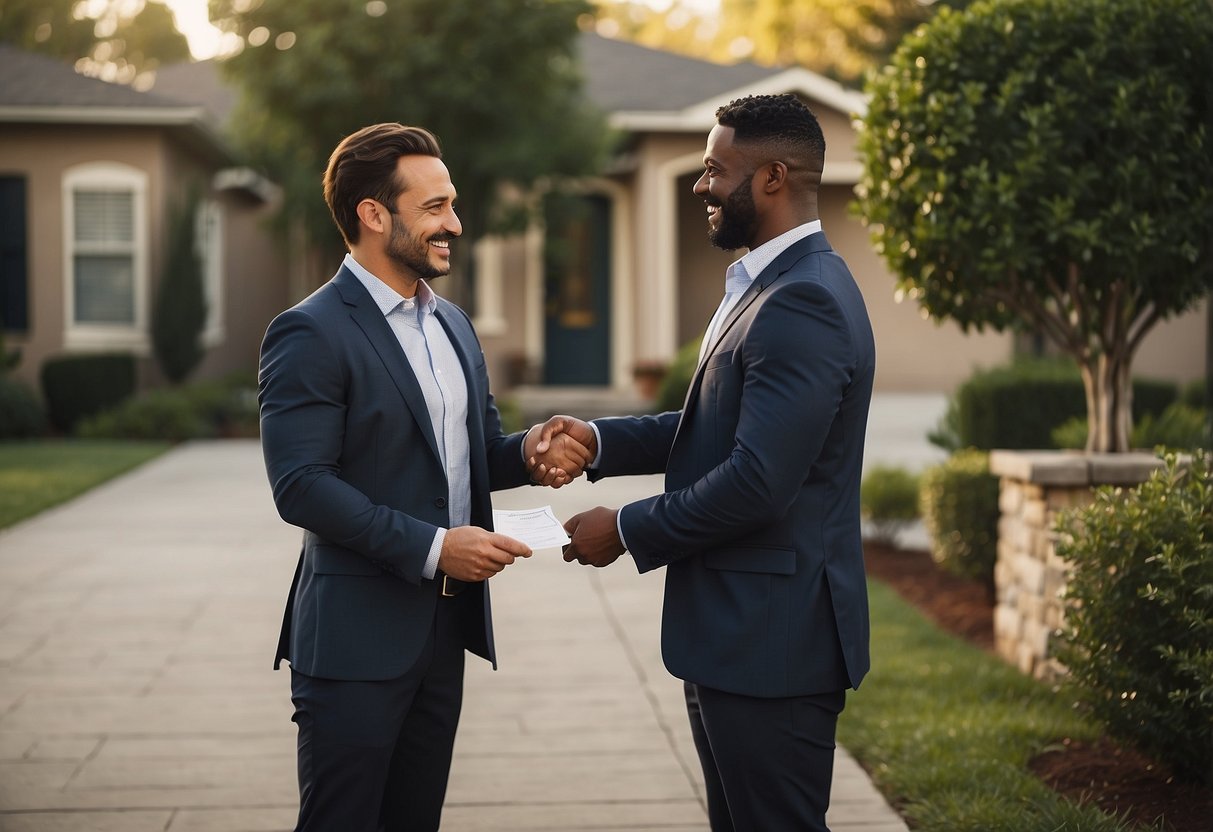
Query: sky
[(206, 41)]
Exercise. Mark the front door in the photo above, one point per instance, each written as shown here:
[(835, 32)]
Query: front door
[(577, 290)]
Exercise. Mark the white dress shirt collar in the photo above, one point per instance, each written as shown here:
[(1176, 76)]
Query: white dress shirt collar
[(387, 298), (755, 261)]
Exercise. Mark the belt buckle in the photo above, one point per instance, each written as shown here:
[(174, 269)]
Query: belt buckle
[(447, 590)]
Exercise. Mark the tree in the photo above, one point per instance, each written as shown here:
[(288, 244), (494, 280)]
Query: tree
[(496, 80), (1048, 164), (180, 313), (838, 38), (115, 40)]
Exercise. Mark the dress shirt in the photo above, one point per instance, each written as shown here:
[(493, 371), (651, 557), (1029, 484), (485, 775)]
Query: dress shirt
[(429, 352), (738, 277)]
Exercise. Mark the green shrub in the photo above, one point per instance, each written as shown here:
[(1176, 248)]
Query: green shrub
[(511, 415), (77, 386), (21, 414), (197, 411), (677, 379), (180, 312), (1195, 394), (888, 500), (1139, 629), (959, 501), (1019, 405), (1180, 427)]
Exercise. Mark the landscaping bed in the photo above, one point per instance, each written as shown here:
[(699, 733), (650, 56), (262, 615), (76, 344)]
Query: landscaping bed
[(1119, 780)]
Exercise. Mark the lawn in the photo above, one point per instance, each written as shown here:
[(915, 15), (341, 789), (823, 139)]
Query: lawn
[(946, 732), (37, 475)]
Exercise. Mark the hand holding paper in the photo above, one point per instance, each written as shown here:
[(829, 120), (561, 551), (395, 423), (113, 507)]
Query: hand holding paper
[(536, 527), (595, 537)]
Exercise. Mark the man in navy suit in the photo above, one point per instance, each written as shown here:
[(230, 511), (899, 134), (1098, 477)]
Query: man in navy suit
[(381, 441), (766, 614)]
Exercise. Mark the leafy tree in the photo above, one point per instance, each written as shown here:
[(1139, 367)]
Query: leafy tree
[(116, 40), (838, 38), (1048, 164), (496, 80), (180, 312)]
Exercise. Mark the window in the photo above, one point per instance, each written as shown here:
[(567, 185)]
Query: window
[(209, 240), (14, 286), (105, 256)]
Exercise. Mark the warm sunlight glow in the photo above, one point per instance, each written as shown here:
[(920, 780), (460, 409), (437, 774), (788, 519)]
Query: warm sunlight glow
[(207, 42)]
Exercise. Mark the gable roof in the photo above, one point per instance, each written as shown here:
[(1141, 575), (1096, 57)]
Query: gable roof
[(38, 89), (645, 89), (32, 81), (624, 77)]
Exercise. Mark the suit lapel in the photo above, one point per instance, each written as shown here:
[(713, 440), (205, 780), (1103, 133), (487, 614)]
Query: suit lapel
[(777, 268), (370, 320)]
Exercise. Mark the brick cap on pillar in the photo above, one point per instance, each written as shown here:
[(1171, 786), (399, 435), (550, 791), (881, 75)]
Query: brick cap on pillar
[(1074, 468)]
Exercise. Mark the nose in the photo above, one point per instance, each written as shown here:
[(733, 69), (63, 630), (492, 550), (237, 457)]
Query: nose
[(453, 225), (700, 188)]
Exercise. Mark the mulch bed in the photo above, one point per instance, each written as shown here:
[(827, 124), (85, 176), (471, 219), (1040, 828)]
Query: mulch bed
[(1120, 780)]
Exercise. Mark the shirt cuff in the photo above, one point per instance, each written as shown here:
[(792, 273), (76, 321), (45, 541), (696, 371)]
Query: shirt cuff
[(598, 442), (619, 527), (431, 560)]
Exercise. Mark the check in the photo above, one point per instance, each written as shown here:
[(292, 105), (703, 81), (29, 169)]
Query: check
[(536, 527)]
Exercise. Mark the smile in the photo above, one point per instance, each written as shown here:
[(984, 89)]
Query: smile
[(441, 243)]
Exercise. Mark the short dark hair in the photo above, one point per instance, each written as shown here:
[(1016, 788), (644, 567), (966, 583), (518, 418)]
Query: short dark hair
[(363, 166), (783, 122)]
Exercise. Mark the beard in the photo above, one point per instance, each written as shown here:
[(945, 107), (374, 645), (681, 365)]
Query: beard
[(413, 253), (738, 219)]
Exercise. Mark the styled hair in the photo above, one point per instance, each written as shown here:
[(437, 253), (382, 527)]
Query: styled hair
[(363, 166), (782, 123)]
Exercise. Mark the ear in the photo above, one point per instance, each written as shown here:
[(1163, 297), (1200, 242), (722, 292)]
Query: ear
[(371, 214), (775, 177)]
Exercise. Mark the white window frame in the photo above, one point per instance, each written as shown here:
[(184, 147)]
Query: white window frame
[(96, 336), (208, 234)]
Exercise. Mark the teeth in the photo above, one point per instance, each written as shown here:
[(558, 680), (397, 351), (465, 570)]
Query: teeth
[(441, 243)]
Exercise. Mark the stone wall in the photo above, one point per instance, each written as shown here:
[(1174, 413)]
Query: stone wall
[(1029, 577)]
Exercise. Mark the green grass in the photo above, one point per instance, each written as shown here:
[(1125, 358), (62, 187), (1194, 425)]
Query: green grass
[(946, 732), (37, 475)]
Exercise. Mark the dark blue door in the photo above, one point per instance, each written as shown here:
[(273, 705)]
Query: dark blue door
[(577, 290)]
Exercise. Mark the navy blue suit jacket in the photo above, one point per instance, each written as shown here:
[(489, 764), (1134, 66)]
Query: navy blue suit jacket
[(353, 460), (759, 525)]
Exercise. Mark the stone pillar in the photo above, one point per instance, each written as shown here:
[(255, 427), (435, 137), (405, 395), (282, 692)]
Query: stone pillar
[(1029, 577)]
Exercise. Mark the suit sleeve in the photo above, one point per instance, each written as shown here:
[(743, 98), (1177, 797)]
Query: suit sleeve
[(798, 359), (633, 445), (302, 388)]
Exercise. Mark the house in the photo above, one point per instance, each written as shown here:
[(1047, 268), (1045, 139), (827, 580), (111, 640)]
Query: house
[(638, 277), (91, 174), (617, 276)]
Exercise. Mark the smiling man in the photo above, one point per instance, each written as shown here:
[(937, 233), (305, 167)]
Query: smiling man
[(765, 615), (382, 443)]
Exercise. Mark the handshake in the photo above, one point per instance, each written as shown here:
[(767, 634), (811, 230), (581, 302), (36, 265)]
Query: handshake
[(556, 452)]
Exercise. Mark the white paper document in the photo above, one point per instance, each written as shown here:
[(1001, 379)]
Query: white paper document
[(536, 527)]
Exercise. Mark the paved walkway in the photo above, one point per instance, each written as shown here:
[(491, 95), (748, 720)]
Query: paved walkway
[(137, 627)]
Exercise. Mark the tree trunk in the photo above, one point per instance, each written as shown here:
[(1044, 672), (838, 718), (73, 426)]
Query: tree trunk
[(1109, 389)]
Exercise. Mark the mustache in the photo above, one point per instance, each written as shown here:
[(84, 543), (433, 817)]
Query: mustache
[(443, 237)]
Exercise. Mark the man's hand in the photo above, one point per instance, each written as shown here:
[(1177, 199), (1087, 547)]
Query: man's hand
[(558, 451), (470, 553), (595, 537)]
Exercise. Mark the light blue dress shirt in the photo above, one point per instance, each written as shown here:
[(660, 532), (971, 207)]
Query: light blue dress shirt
[(436, 364)]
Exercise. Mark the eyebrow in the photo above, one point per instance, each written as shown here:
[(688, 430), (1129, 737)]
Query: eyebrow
[(438, 200)]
